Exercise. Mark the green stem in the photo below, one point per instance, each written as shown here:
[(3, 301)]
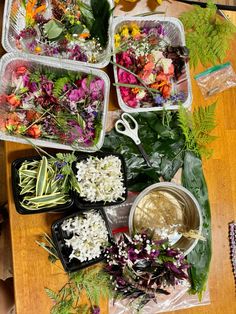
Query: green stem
[(151, 90)]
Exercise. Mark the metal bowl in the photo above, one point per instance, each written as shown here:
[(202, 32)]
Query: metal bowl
[(171, 211)]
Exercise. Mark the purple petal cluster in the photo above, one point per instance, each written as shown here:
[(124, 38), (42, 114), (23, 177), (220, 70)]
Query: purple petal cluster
[(140, 265)]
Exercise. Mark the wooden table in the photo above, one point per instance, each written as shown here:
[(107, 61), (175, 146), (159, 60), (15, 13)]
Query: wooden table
[(33, 272)]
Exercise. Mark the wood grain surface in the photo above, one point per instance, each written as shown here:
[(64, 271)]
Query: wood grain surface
[(32, 270)]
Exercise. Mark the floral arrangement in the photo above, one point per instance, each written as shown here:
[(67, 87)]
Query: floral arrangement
[(45, 104), (148, 67), (101, 179), (71, 29), (141, 268), (87, 234)]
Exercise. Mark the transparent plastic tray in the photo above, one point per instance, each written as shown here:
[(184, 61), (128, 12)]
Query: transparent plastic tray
[(14, 22), (12, 60), (175, 32)]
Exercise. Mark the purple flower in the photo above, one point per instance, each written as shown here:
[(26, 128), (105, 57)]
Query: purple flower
[(47, 87), (132, 255), (27, 33), (159, 100), (59, 176), (32, 86), (76, 53), (60, 164), (32, 45), (76, 94), (96, 310)]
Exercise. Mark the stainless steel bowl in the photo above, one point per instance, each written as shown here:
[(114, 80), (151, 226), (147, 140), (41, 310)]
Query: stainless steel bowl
[(175, 213)]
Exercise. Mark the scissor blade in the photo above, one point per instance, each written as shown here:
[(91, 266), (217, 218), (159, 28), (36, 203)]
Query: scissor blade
[(144, 154)]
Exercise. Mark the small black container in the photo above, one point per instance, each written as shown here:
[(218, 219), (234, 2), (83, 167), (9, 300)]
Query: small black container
[(18, 198), (81, 202), (59, 236)]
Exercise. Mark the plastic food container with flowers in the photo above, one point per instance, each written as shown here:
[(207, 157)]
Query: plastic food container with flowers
[(74, 31), (54, 105), (150, 64)]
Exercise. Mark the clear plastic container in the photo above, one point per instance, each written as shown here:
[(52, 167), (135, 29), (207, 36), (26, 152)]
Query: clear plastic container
[(14, 22), (175, 31), (12, 60)]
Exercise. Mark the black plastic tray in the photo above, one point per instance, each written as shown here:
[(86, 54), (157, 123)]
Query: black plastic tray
[(80, 201), (18, 198), (59, 236)]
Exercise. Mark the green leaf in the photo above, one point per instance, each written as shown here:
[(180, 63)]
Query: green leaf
[(200, 257), (51, 198), (86, 14), (53, 29), (163, 143), (42, 177)]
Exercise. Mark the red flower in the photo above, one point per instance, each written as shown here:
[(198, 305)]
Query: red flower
[(13, 100), (34, 131), (21, 70)]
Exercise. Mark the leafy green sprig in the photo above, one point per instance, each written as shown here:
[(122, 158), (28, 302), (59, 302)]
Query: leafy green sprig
[(207, 35), (94, 281), (197, 128)]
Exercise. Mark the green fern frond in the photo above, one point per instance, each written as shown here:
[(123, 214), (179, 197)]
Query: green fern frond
[(59, 85), (51, 294), (207, 35), (197, 127)]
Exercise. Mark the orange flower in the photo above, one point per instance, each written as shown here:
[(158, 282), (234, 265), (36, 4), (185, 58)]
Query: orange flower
[(84, 35), (166, 89), (34, 131), (32, 115), (135, 90), (21, 70), (31, 12), (13, 100)]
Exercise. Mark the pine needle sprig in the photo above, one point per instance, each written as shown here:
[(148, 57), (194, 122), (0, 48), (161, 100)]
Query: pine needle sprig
[(197, 128), (207, 35)]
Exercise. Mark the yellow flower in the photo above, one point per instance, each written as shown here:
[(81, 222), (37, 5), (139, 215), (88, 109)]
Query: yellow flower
[(37, 49), (117, 40), (159, 1), (124, 31)]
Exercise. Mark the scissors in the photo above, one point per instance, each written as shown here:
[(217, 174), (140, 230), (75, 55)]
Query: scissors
[(123, 126)]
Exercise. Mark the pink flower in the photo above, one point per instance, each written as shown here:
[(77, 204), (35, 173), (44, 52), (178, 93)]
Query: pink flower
[(76, 94), (96, 88), (128, 97), (125, 77), (124, 59)]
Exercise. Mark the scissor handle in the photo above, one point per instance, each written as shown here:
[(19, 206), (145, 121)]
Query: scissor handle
[(128, 130)]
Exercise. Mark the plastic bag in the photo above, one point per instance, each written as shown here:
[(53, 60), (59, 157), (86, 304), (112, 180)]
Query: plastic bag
[(216, 79)]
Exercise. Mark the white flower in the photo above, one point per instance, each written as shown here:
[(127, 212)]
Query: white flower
[(87, 234), (100, 179)]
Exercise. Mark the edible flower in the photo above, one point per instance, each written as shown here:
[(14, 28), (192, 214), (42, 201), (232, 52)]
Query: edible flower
[(13, 100), (117, 39), (34, 131), (31, 12), (21, 70)]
